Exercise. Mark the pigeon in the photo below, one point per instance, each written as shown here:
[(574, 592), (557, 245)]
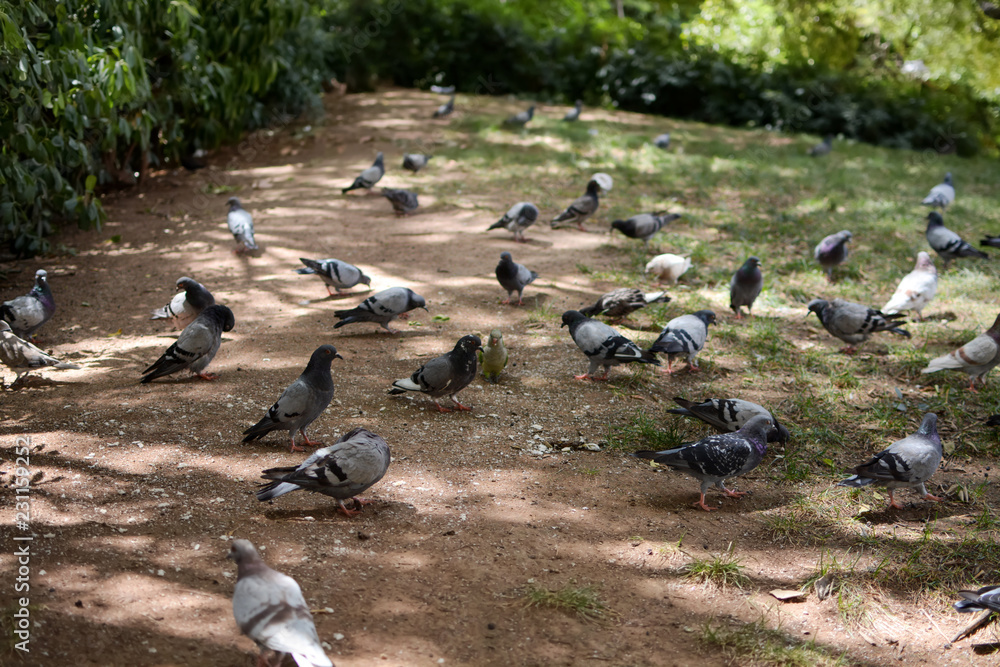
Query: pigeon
[(269, 608), (906, 463), (644, 225), (729, 414), (581, 208), (619, 303), (684, 335), (518, 217), (986, 598), (369, 177), (854, 323), (195, 347), (822, 148), (445, 109), (415, 161), (445, 375), (745, 286), (21, 356), (27, 313), (343, 470), (662, 141), (832, 251), (186, 305), (521, 118), (602, 345), (334, 273), (941, 195), (493, 357), (574, 113), (668, 267), (513, 277), (382, 307), (241, 226), (990, 242), (403, 201), (302, 402), (976, 358), (946, 243), (443, 90), (916, 289), (716, 458), (993, 420)]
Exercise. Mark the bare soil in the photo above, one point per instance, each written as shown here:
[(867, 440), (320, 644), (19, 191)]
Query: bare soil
[(142, 487)]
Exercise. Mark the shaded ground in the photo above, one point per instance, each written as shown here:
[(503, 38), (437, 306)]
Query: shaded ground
[(143, 486)]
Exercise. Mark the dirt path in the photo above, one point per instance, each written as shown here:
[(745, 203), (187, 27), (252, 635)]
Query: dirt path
[(144, 486)]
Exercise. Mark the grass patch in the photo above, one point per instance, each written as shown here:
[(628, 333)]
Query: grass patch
[(582, 601), (755, 644), (723, 570), (642, 431)]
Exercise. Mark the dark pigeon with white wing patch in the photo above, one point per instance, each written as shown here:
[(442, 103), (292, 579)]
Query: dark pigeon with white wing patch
[(645, 225), (186, 305), (623, 301), (684, 335), (446, 375), (729, 415)]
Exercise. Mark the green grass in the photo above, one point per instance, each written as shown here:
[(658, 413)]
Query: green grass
[(723, 570), (644, 431), (755, 644), (583, 601)]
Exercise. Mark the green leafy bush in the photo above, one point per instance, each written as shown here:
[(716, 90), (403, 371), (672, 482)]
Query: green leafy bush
[(96, 91)]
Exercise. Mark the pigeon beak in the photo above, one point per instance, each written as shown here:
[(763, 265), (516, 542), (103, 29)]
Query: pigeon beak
[(337, 356)]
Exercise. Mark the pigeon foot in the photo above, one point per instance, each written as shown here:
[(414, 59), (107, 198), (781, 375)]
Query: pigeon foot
[(734, 494), (936, 499), (346, 512), (208, 376), (701, 504), (441, 408)]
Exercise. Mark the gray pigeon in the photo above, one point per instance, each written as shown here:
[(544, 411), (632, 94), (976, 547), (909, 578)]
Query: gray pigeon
[(745, 286), (716, 458), (302, 402), (513, 277), (369, 177), (334, 273), (186, 305), (574, 113), (976, 358), (916, 289), (382, 308), (623, 301), (986, 598), (854, 323), (946, 243), (21, 356), (269, 608), (445, 109), (343, 470), (415, 161), (521, 118), (990, 242), (906, 463), (644, 225), (941, 195), (729, 414), (662, 141), (27, 313), (518, 217), (582, 208), (403, 201), (684, 335), (832, 251), (195, 347), (445, 375), (602, 345), (823, 148), (240, 226)]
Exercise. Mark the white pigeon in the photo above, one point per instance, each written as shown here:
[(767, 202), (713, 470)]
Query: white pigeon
[(241, 226), (186, 305), (916, 289), (269, 608), (668, 267)]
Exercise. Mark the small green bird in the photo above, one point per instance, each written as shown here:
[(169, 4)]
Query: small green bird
[(493, 357)]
